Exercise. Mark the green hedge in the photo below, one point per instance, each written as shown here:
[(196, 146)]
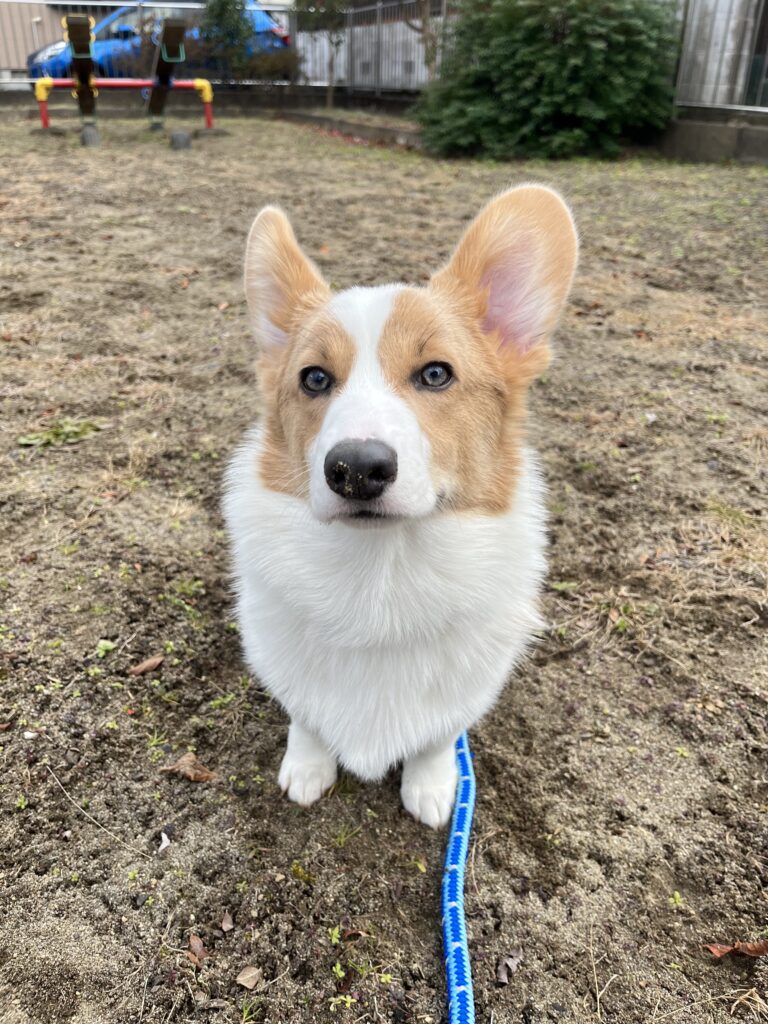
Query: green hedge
[(551, 79)]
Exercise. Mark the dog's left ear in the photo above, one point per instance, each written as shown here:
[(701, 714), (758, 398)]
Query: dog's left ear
[(512, 270)]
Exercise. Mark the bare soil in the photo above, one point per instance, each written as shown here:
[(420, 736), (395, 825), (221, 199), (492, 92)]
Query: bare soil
[(623, 779), (365, 117)]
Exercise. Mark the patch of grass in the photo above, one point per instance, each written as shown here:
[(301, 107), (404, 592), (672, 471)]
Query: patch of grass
[(221, 702), (345, 786), (300, 872), (186, 607), (189, 588), (249, 1008), (64, 431), (341, 1001), (729, 514), (344, 834), (676, 901)]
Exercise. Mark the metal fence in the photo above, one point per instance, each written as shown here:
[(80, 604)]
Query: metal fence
[(393, 45), (390, 45)]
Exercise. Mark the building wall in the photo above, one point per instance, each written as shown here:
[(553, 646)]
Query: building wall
[(718, 45), (391, 61), (21, 34)]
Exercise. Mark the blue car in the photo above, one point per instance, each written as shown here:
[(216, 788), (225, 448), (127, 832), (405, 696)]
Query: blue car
[(118, 41)]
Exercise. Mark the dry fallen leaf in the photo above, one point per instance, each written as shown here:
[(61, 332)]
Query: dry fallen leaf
[(745, 948), (227, 924), (197, 951), (718, 949), (250, 977), (507, 967), (192, 769), (147, 666)]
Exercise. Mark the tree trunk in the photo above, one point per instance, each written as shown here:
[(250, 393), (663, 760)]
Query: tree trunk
[(428, 37), (331, 76), (429, 41)]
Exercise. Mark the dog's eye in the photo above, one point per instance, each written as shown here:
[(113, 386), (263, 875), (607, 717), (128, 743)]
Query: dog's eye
[(435, 375), (315, 380)]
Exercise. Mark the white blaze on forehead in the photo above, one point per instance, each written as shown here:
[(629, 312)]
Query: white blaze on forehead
[(368, 407), (362, 312)]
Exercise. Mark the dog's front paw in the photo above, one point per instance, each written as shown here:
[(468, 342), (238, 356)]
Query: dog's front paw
[(304, 781), (428, 787)]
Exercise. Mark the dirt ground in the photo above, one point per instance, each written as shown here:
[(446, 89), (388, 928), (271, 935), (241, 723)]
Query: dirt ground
[(623, 779)]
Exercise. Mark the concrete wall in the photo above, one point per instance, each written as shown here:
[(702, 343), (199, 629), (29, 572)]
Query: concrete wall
[(717, 135)]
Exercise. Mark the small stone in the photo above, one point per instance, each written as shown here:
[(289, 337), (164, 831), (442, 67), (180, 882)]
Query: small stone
[(181, 140)]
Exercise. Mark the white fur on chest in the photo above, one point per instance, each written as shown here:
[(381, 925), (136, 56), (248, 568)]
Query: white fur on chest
[(382, 641)]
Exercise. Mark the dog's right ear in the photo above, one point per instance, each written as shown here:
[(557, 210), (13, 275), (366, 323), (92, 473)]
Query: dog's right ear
[(281, 283)]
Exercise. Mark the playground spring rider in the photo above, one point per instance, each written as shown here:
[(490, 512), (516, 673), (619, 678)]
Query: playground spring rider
[(85, 88)]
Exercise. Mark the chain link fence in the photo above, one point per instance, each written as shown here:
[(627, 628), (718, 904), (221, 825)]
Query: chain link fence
[(385, 46)]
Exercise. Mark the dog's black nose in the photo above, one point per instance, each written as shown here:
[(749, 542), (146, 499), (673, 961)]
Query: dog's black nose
[(360, 470)]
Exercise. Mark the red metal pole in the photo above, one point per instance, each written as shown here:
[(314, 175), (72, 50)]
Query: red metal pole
[(202, 86), (121, 83)]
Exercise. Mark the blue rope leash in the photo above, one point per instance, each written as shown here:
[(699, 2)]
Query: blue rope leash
[(461, 1000)]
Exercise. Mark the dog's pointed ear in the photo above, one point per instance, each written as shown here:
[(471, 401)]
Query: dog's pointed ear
[(281, 283), (512, 269)]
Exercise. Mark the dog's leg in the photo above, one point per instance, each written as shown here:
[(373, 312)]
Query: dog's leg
[(308, 768), (428, 785)]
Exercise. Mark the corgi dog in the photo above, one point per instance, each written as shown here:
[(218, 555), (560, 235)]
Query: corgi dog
[(387, 521)]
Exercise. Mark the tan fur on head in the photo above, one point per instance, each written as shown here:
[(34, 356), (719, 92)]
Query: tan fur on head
[(293, 420), (282, 288), (475, 426), (524, 242), (527, 234)]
